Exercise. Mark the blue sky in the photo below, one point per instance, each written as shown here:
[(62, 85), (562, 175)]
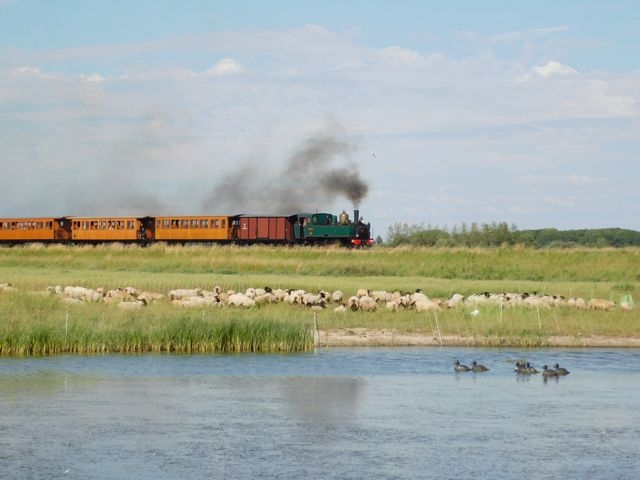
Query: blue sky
[(524, 112)]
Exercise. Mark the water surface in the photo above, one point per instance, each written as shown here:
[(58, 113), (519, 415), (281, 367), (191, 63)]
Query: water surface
[(336, 413)]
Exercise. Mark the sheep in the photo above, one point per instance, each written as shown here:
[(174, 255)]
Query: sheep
[(310, 299), (190, 302), (454, 300), (325, 295), (337, 296), (426, 306), (362, 292), (132, 291), (6, 287), (180, 293), (393, 305), (577, 302), (340, 309), (91, 295), (367, 304), (600, 304), (74, 292), (352, 303), (380, 296), (150, 297), (136, 305), (241, 300), (116, 296), (264, 298), (280, 294), (55, 290), (418, 296)]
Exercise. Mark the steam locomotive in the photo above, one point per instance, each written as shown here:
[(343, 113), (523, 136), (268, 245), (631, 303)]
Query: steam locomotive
[(300, 228)]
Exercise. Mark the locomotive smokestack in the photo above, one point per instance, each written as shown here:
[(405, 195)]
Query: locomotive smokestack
[(356, 216)]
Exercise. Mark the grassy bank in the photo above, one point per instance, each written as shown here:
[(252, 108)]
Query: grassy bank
[(32, 323), (39, 325)]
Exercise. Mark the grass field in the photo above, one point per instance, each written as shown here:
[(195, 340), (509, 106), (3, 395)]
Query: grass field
[(33, 323)]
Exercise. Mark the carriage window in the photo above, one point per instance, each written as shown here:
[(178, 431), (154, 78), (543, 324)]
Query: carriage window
[(223, 223), (194, 223)]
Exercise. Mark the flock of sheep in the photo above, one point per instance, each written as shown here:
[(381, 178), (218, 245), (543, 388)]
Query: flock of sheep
[(364, 299)]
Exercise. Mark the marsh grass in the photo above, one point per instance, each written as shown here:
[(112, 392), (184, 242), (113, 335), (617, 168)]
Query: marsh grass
[(39, 325), (33, 324)]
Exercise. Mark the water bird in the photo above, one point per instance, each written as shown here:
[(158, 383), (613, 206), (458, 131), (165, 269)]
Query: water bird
[(529, 369), (525, 368), (560, 370), (459, 367), (548, 373), (476, 367)]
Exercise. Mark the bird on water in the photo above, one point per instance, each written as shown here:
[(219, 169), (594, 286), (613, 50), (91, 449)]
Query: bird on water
[(476, 367), (459, 367), (560, 370)]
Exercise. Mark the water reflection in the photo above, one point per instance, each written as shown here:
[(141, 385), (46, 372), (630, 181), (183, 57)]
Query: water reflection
[(322, 401)]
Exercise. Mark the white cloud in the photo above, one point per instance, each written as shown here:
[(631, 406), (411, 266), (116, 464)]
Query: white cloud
[(553, 68), (92, 78), (32, 72), (226, 66), (402, 56)]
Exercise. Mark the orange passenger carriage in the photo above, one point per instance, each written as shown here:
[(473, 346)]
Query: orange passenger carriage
[(36, 229), (198, 228), (107, 229)]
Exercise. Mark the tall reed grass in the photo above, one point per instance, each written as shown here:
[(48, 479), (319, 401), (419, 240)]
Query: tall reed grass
[(36, 325)]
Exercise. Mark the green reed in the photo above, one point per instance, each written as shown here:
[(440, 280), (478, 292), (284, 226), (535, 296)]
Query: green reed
[(35, 325)]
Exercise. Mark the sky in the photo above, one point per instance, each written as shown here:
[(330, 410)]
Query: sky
[(428, 113)]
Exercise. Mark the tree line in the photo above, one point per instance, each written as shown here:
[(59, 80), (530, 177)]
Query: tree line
[(500, 233)]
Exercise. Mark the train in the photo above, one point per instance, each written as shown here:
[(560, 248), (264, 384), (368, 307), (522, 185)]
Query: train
[(243, 229)]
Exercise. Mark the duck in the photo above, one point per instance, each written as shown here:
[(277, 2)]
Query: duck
[(476, 367), (548, 373), (525, 368), (560, 370), (459, 367)]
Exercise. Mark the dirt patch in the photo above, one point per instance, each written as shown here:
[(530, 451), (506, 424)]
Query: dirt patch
[(364, 337)]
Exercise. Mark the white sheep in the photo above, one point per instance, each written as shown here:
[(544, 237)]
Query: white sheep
[(337, 296), (367, 304), (136, 305), (241, 300), (426, 306), (600, 304)]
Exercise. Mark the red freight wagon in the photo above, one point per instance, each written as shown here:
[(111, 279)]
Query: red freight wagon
[(263, 228)]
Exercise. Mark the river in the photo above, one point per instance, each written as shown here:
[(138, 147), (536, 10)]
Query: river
[(338, 413)]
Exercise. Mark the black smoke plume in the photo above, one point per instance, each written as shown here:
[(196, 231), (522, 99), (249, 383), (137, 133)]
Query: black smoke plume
[(316, 174)]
